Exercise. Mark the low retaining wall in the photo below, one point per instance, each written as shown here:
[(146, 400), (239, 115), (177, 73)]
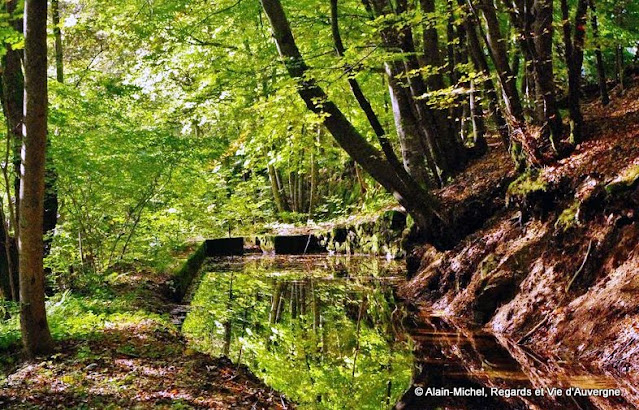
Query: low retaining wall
[(384, 236), (183, 278), (224, 247)]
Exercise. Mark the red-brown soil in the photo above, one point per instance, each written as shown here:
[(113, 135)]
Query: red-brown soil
[(555, 270)]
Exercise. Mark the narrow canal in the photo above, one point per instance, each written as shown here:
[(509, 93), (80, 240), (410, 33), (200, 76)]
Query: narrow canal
[(329, 333)]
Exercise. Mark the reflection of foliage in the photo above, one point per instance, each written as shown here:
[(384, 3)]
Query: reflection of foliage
[(325, 328)]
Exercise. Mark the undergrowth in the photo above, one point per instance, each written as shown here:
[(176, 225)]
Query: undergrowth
[(80, 316)]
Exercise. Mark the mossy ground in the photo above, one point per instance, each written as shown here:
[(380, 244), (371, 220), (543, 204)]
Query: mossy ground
[(117, 348)]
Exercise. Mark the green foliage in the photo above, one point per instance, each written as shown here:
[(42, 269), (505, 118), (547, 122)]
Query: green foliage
[(82, 316)]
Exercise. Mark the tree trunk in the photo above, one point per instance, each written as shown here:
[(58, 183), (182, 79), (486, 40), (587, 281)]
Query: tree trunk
[(57, 34), (277, 198), (417, 154), (543, 32), (282, 189), (574, 58), (292, 192), (33, 319), (480, 63), (419, 203), (13, 101), (50, 191), (446, 148), (312, 195), (7, 287), (416, 174), (432, 56), (522, 141), (620, 69), (498, 53), (480, 145), (601, 71)]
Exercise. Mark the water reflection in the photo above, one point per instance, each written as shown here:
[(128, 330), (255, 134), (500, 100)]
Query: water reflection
[(329, 334), (448, 356), (325, 331)]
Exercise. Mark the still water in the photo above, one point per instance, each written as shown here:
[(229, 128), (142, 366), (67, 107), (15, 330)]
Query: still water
[(329, 333)]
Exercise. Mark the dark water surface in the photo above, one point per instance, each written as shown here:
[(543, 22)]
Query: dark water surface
[(329, 333)]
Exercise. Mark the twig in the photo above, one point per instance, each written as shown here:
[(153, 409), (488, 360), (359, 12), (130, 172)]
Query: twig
[(583, 264), (533, 330)]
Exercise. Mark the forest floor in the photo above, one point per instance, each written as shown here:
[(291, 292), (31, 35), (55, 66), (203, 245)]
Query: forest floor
[(125, 352), (554, 267)]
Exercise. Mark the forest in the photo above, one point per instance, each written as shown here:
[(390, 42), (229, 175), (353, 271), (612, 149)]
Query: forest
[(319, 204)]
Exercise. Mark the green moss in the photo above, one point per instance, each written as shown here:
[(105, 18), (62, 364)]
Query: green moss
[(568, 217), (527, 183), (626, 180), (183, 277), (488, 264)]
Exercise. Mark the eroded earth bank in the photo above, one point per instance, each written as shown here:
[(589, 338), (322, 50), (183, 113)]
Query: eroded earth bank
[(552, 268)]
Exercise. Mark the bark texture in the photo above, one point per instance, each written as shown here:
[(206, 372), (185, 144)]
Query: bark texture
[(33, 320)]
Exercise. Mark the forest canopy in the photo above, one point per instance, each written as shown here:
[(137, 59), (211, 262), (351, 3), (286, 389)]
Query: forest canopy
[(171, 121)]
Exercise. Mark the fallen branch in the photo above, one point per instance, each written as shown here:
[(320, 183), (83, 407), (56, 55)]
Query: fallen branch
[(533, 330), (583, 264)]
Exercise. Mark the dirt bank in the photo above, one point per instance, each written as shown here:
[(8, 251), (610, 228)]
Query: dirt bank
[(554, 268)]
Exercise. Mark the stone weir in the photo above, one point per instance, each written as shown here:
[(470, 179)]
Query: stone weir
[(385, 235)]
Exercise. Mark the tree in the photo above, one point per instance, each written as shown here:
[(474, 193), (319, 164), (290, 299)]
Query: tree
[(574, 54), (12, 96), (57, 34), (418, 202), (36, 336)]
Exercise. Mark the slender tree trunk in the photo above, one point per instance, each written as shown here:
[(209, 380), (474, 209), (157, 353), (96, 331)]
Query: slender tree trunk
[(601, 71), (417, 154), (497, 47), (477, 117), (7, 287), (282, 189), (452, 155), (432, 55), (417, 174), (312, 195), (50, 191), (13, 101), (522, 141), (277, 198), (57, 34), (8, 279), (574, 58), (620, 69), (292, 191), (301, 180), (33, 319), (445, 146), (481, 64)]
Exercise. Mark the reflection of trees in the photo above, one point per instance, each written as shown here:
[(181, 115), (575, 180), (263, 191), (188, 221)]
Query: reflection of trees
[(323, 341)]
